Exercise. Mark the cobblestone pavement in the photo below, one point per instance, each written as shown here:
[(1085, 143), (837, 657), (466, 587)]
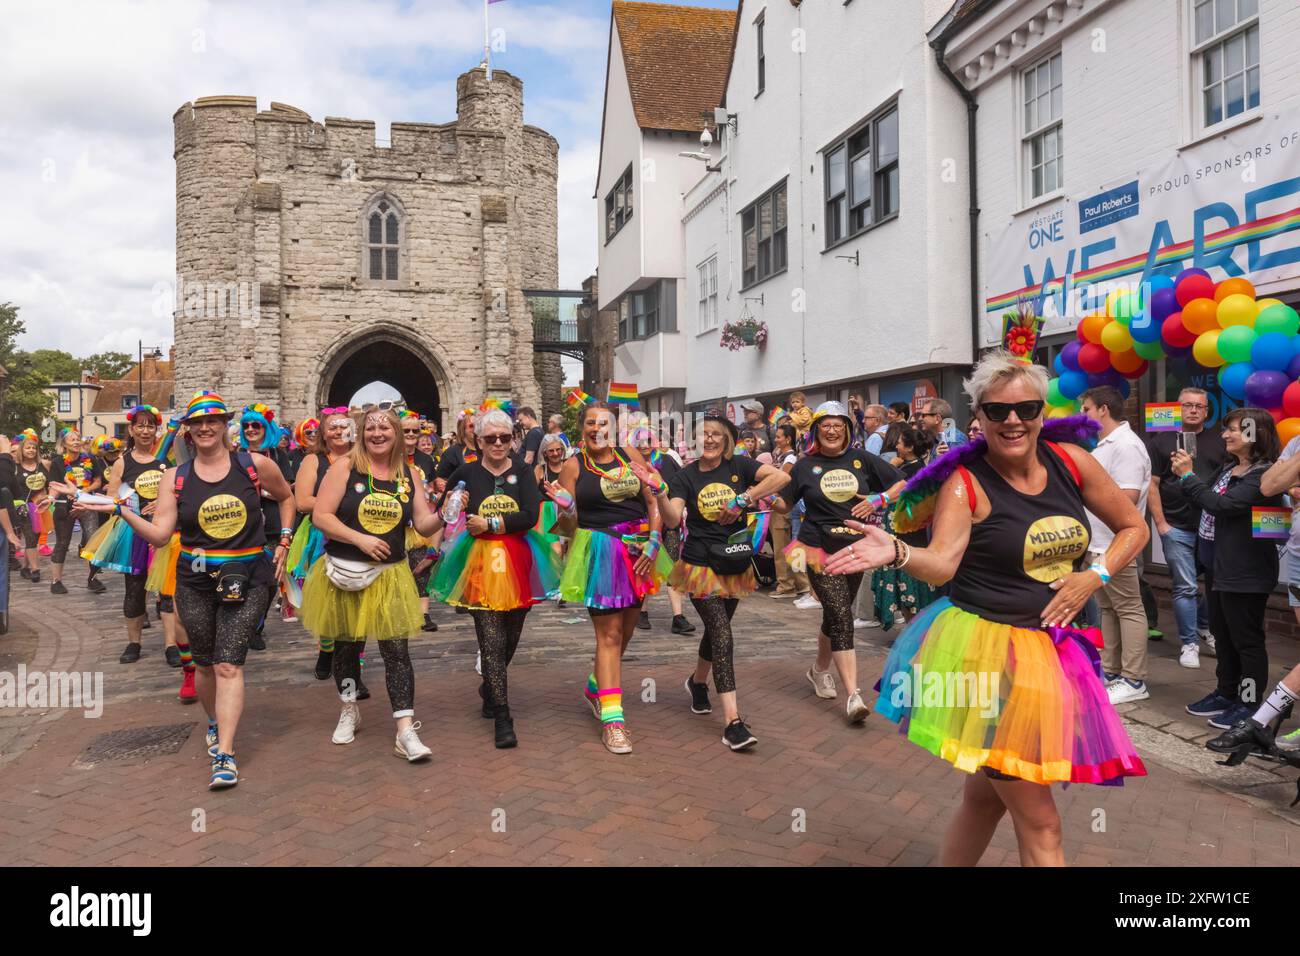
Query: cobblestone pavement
[(815, 790)]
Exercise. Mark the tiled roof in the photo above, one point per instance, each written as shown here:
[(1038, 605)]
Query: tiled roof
[(677, 59), (158, 388)]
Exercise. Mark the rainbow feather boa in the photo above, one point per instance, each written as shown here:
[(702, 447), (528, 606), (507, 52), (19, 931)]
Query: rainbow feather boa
[(915, 507)]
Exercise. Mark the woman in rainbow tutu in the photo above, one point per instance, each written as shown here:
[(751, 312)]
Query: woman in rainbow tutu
[(501, 565), (713, 493), (551, 454), (994, 678), (337, 432), (31, 493), (616, 557)]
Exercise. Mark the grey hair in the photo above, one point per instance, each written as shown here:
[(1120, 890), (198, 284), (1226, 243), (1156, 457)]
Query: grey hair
[(493, 416), (547, 441), (999, 367)]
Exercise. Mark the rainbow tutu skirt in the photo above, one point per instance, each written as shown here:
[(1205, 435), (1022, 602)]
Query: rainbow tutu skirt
[(162, 567), (1026, 702), (306, 548), (497, 572), (805, 557), (699, 581), (546, 519), (599, 571), (387, 608), (115, 547)]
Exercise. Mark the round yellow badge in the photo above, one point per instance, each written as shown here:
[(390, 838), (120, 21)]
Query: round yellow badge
[(712, 499), (839, 485), (221, 516), (146, 484), (379, 514)]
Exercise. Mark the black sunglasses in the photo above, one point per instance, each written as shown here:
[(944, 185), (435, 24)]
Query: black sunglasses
[(248, 425), (495, 439), (1025, 411)]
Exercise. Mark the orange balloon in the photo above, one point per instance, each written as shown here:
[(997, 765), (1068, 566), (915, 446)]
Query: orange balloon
[(1201, 315), (1287, 429), (1092, 326), (1233, 286), (1124, 362)]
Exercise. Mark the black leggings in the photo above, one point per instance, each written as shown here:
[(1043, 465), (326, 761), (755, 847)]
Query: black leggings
[(716, 644), (836, 592), (62, 531), (218, 631), (413, 557), (399, 675), (498, 638)]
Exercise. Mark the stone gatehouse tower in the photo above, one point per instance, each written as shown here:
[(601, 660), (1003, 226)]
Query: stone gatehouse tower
[(311, 261)]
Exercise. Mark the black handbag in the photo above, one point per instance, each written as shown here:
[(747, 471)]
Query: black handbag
[(233, 582)]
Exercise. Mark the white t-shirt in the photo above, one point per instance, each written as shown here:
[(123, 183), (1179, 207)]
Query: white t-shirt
[(1124, 457), (1293, 544)]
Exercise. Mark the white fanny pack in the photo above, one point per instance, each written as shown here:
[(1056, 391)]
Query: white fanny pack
[(349, 575)]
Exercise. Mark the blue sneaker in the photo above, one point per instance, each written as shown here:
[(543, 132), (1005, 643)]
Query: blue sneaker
[(224, 772), (1238, 713), (1211, 705), (212, 739)]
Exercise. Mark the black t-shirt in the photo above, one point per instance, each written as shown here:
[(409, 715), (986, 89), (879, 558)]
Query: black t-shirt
[(424, 462), (663, 463), (453, 458), (705, 494), (532, 441), (828, 487), (608, 495), (512, 496), (33, 482), (1207, 463)]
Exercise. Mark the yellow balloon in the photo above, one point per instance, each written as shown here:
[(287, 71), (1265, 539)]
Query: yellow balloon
[(1262, 304), (1058, 411), (1237, 309), (1206, 349), (1115, 337), (1111, 298)]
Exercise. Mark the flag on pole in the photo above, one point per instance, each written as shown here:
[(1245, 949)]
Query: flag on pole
[(624, 393), (487, 44), (775, 415), (577, 397)]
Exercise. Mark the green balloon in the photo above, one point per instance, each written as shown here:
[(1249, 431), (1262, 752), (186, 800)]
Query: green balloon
[(1277, 318), (1235, 342), (1149, 350), (1054, 396), (1126, 306)]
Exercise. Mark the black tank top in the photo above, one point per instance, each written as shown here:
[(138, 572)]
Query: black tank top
[(322, 466), (221, 519), (1026, 543), (547, 475), (379, 508), (144, 479), (609, 496), (34, 480)]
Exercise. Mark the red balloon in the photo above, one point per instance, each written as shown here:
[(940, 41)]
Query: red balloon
[(1291, 400), (1278, 414), (1194, 287), (1078, 334), (1094, 358), (1138, 372), (1175, 333)]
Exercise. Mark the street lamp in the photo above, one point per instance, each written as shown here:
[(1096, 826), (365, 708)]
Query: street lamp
[(156, 353)]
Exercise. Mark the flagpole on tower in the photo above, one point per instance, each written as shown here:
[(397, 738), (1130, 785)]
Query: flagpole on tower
[(487, 58)]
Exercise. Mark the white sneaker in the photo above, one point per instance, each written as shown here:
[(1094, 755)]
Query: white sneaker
[(823, 683), (1190, 656), (859, 624), (807, 602), (1122, 692), (349, 722), (856, 710), (1211, 646), (408, 745), (900, 621)]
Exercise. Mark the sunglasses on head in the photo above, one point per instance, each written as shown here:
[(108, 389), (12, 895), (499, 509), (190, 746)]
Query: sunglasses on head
[(382, 406), (1000, 411), (495, 439)]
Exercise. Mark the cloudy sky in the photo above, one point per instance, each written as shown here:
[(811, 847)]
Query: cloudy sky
[(87, 181)]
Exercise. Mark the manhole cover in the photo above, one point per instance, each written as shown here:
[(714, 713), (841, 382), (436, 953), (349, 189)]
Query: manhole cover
[(135, 742)]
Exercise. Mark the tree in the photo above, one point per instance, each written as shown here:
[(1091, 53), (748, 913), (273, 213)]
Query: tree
[(56, 365), (10, 328), (109, 366)]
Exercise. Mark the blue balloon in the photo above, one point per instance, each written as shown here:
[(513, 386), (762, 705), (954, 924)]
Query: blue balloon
[(1157, 282), (1058, 363), (1073, 384), (1232, 379), (1144, 327), (1123, 385), (1272, 351)]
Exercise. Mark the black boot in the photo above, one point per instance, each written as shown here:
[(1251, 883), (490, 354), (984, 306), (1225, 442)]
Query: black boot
[(505, 728), (430, 625), (324, 665), (1243, 738)]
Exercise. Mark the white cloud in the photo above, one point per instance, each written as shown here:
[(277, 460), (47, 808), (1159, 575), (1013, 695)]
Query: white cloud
[(86, 170)]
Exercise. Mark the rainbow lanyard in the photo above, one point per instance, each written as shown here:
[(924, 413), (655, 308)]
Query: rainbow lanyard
[(624, 469)]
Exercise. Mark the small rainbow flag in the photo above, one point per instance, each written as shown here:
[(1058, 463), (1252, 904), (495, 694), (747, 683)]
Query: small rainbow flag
[(577, 397), (624, 394), (759, 522), (501, 404), (1164, 417), (775, 415), (1270, 523)]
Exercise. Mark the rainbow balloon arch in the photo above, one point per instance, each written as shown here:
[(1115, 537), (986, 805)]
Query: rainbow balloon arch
[(1254, 343)]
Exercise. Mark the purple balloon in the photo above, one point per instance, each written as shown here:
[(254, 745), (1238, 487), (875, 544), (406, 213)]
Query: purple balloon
[(1163, 304), (1264, 388), (1293, 370), (1191, 272), (1070, 355)]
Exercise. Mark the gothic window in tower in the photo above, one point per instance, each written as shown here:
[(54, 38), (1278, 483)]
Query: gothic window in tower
[(383, 241)]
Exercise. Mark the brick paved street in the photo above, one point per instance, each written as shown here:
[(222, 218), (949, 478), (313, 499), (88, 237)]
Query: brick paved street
[(867, 796)]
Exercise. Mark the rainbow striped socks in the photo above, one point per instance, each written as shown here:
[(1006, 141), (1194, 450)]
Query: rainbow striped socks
[(326, 645), (187, 660), (592, 691), (611, 705)]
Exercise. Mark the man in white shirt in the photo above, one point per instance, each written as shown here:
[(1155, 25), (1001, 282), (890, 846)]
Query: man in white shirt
[(1123, 619)]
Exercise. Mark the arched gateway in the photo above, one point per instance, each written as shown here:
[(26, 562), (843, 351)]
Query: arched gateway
[(393, 358)]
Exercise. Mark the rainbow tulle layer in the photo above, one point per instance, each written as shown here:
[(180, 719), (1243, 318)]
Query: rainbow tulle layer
[(162, 567), (805, 557), (497, 572), (546, 519), (115, 547), (41, 517), (305, 550), (599, 571), (699, 581), (387, 608), (1026, 702)]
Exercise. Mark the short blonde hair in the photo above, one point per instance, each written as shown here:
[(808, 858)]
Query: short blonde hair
[(999, 367)]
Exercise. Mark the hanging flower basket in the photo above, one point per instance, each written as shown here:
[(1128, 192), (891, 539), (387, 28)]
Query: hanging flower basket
[(738, 335)]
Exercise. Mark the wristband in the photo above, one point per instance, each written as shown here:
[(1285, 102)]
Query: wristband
[(1186, 476), (660, 490), (563, 500), (652, 545), (117, 509), (286, 532), (1100, 569), (741, 501), (884, 498)]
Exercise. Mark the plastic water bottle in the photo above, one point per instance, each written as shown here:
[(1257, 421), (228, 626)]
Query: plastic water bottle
[(451, 511)]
